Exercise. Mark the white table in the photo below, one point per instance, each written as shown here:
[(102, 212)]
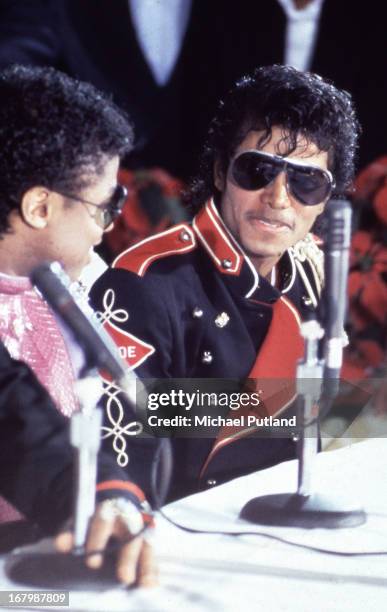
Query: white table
[(218, 572)]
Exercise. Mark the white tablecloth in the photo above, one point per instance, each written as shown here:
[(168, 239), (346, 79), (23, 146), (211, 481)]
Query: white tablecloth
[(220, 572)]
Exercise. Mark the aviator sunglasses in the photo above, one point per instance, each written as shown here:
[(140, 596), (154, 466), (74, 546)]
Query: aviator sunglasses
[(310, 185), (106, 212)]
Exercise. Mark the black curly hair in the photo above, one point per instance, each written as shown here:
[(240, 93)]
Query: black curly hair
[(54, 131), (302, 103)]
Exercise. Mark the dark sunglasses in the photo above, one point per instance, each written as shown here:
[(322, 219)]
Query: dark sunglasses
[(310, 185), (106, 212)]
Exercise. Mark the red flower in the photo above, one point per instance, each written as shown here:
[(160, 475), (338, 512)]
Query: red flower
[(380, 203), (367, 288), (367, 291), (370, 179), (152, 205)]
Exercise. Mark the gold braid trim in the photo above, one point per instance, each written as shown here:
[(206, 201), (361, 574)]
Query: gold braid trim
[(307, 250)]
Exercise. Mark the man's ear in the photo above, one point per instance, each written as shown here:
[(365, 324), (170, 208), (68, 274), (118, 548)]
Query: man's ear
[(219, 178), (35, 208)]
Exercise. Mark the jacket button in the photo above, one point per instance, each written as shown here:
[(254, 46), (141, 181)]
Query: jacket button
[(226, 264), (222, 319), (307, 300), (207, 357), (184, 236), (211, 482), (197, 313)]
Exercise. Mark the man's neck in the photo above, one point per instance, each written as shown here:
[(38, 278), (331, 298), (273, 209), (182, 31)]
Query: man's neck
[(264, 265)]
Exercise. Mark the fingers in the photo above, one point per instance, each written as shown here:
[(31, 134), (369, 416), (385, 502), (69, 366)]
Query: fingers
[(119, 518), (127, 561), (99, 533), (136, 564), (147, 571), (64, 542)]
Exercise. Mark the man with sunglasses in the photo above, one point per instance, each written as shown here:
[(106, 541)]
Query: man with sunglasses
[(61, 142), (224, 297)]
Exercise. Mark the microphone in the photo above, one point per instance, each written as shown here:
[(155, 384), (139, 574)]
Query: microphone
[(335, 289), (99, 349), (101, 353)]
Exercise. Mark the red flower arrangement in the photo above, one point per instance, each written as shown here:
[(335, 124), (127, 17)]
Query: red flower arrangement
[(367, 282), (152, 205)]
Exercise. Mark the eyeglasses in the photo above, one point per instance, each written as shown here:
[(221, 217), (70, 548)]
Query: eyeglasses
[(106, 212), (310, 185)]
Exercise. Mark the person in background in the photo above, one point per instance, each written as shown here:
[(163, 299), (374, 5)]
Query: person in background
[(167, 63)]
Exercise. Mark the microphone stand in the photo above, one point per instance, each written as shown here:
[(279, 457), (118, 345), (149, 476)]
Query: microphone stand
[(85, 437), (85, 424), (309, 387), (317, 387), (54, 569), (305, 508), (58, 570)]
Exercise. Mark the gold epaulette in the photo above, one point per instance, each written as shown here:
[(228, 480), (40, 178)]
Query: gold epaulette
[(308, 250)]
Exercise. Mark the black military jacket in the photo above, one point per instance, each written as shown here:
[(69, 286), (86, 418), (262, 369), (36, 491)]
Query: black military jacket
[(187, 303)]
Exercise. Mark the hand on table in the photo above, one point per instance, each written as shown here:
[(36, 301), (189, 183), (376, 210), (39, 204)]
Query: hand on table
[(135, 563)]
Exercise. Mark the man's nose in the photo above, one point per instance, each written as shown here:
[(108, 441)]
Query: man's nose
[(275, 194)]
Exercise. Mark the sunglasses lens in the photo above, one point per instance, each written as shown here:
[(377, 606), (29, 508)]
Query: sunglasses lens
[(119, 197), (250, 171), (114, 207), (310, 186), (254, 170)]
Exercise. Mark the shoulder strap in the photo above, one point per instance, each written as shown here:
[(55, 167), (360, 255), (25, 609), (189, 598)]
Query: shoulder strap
[(176, 240)]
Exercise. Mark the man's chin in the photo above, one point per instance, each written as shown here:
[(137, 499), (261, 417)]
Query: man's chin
[(267, 240), (264, 249), (264, 255)]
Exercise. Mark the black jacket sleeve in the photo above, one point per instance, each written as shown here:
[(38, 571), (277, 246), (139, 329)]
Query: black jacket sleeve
[(36, 459)]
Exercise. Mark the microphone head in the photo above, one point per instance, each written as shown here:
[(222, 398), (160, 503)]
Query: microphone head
[(334, 296), (98, 347), (339, 213)]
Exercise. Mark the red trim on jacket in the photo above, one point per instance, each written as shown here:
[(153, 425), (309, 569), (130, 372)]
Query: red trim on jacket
[(177, 240), (123, 485), (217, 240), (283, 344), (274, 370)]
